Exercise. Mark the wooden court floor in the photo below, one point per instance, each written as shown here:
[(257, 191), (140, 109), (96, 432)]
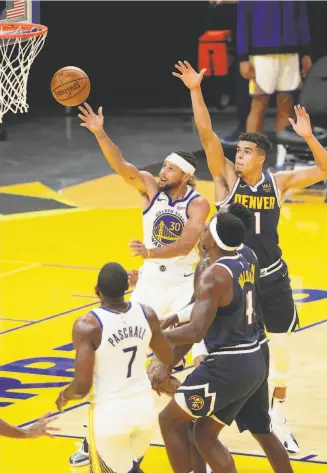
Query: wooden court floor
[(48, 268)]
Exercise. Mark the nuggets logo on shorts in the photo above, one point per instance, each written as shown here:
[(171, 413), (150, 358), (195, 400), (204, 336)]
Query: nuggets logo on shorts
[(197, 402), (167, 228)]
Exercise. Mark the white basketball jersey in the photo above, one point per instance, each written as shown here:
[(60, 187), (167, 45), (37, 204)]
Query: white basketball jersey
[(120, 360), (163, 223)]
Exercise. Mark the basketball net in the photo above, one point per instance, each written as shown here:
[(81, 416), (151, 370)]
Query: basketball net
[(20, 43)]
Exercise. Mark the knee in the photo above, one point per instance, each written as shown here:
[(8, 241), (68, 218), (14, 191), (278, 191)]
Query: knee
[(259, 103), (284, 99)]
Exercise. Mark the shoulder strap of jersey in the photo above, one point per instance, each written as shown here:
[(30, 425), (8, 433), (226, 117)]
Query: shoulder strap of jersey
[(277, 193)]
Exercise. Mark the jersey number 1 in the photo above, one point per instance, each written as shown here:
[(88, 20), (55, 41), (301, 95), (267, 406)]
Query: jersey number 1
[(257, 223), (249, 307), (131, 361)]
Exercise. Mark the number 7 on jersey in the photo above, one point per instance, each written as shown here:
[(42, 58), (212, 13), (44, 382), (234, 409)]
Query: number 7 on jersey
[(132, 359)]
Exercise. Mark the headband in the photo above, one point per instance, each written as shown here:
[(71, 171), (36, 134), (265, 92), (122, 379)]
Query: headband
[(184, 165), (214, 234)]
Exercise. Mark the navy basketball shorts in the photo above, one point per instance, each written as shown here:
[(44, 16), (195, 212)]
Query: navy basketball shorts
[(254, 415), (277, 304), (221, 385)]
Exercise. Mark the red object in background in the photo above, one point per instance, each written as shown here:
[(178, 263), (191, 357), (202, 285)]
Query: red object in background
[(213, 52)]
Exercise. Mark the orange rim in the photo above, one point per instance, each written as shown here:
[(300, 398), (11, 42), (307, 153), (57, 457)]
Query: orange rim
[(21, 30)]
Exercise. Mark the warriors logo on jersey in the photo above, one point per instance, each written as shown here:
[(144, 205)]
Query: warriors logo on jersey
[(164, 220), (167, 227)]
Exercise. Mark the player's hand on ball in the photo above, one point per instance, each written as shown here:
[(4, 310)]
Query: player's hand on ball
[(302, 126), (42, 427), (138, 248), (188, 75), (91, 120), (169, 322)]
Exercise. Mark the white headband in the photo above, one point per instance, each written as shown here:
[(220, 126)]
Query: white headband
[(185, 166), (213, 231)]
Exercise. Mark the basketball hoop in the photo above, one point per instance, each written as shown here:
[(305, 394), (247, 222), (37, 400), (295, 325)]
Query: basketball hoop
[(20, 43)]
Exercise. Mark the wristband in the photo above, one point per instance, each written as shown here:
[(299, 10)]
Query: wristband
[(184, 315)]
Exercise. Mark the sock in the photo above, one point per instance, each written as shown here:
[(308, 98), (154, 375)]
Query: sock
[(278, 409)]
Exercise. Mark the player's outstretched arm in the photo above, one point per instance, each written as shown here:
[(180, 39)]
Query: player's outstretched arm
[(38, 429), (86, 339), (159, 342), (305, 177), (213, 285), (219, 166), (144, 182)]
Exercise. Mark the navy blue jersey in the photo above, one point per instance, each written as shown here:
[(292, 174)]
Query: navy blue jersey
[(234, 327), (251, 258), (263, 201)]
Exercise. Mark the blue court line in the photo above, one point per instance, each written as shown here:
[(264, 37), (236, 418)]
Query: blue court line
[(53, 316), (307, 458), (54, 414), (311, 325), (49, 318), (16, 320)]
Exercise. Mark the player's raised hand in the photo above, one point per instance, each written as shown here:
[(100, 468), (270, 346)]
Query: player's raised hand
[(302, 126), (91, 120), (42, 427), (188, 75)]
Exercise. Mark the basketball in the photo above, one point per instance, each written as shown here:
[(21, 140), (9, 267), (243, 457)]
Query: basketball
[(70, 86)]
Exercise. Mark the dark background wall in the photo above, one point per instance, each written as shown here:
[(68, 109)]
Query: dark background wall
[(128, 49)]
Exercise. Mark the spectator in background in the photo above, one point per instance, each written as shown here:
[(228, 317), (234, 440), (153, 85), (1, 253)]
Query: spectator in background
[(272, 36), (241, 86)]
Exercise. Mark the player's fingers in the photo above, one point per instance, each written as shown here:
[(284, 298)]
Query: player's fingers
[(49, 420), (178, 68), (292, 122), (52, 429), (88, 108), (188, 65), (82, 117), (82, 124), (83, 110), (100, 112), (201, 73), (181, 64), (177, 75)]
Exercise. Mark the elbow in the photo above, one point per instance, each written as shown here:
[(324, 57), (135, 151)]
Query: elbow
[(198, 336)]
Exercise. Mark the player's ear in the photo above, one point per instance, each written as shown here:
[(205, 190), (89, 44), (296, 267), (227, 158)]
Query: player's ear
[(97, 292)]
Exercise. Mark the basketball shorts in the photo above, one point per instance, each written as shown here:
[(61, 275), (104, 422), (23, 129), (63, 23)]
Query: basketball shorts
[(275, 73), (120, 431), (276, 299), (166, 289), (254, 415), (221, 385)]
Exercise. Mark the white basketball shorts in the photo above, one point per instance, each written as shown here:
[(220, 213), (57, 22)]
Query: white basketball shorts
[(120, 431), (165, 289), (275, 73)]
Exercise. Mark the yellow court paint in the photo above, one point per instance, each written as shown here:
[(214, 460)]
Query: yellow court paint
[(48, 268)]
